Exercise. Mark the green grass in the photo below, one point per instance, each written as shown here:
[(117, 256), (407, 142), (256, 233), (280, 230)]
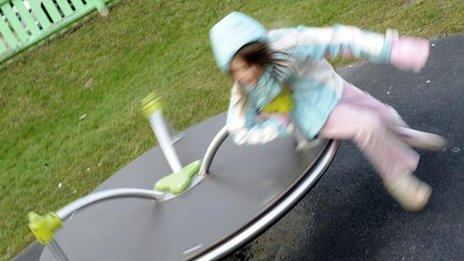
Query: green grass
[(105, 67)]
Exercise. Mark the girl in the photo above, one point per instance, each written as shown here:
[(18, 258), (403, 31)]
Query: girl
[(290, 64)]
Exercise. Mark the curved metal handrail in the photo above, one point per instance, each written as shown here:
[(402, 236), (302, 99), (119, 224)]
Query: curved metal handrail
[(212, 149), (93, 198), (222, 135)]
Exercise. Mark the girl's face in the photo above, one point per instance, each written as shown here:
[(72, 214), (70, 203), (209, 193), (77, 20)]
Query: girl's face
[(246, 74)]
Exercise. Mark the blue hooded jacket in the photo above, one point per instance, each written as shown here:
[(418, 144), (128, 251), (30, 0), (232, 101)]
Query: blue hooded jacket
[(316, 87)]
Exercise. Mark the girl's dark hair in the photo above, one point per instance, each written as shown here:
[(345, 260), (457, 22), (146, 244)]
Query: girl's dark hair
[(259, 53)]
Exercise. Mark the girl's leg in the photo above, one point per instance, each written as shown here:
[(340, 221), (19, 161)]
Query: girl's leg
[(392, 119), (394, 160), (389, 155)]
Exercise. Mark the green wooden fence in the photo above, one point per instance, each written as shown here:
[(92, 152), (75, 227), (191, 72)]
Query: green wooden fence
[(24, 23)]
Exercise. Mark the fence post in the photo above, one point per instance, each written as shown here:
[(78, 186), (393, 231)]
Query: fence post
[(101, 7)]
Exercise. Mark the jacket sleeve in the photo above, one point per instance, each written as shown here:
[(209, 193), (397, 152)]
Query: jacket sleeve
[(329, 42), (245, 125)]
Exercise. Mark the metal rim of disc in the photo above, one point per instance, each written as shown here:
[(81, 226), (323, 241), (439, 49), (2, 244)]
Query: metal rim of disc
[(280, 207)]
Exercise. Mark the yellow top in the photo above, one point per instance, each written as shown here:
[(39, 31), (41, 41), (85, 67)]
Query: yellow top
[(44, 227), (283, 103), (150, 104)]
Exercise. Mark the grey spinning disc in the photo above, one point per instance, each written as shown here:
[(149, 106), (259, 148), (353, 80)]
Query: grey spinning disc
[(248, 189)]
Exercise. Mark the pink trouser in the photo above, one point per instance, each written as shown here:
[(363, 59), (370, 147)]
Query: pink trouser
[(376, 128)]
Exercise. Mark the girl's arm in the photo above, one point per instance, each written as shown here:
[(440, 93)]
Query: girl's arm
[(247, 127), (349, 41)]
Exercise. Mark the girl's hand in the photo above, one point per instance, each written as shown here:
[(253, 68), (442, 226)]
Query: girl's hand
[(283, 118), (409, 53), (266, 115)]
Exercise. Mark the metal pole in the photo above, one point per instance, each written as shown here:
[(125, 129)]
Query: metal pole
[(162, 135)]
